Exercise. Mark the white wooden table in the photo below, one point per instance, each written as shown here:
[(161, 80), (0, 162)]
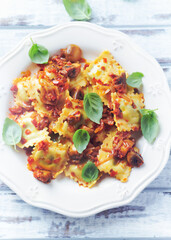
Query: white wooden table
[(148, 23)]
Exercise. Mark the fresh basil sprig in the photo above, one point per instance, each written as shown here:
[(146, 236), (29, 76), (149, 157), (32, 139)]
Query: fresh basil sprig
[(81, 139), (93, 107), (11, 133), (38, 54), (90, 172), (135, 79), (149, 124), (78, 9)]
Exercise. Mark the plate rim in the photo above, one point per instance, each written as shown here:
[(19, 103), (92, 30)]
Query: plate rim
[(146, 182)]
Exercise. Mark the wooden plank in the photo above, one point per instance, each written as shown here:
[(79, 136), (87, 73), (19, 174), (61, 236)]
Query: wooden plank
[(148, 215), (107, 13), (156, 41)]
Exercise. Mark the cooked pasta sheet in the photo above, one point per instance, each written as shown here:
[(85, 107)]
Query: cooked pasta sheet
[(49, 107), (74, 171), (108, 163)]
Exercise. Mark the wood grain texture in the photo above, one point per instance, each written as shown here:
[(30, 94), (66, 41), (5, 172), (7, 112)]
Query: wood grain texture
[(105, 12), (148, 23), (155, 40), (148, 215)]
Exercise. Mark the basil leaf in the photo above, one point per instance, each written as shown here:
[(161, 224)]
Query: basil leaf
[(78, 9), (12, 132), (81, 139), (90, 172), (135, 79), (149, 124), (93, 107), (38, 54)]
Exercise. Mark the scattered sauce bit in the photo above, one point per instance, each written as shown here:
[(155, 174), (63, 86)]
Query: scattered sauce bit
[(57, 160), (133, 105), (135, 128), (103, 68), (105, 60), (14, 89), (72, 174), (43, 145), (101, 83), (105, 149), (30, 160), (113, 173), (68, 104), (27, 131), (117, 111), (42, 175), (82, 60), (86, 65), (112, 75), (26, 73), (23, 140), (39, 122), (16, 110)]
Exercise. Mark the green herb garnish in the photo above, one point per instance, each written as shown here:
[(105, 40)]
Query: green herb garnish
[(135, 79), (149, 124), (11, 133), (90, 172), (38, 54), (81, 139), (93, 107), (78, 9)]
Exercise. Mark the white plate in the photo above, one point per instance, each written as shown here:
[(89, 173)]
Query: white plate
[(64, 195)]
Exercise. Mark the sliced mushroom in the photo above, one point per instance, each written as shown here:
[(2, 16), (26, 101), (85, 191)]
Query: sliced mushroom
[(74, 117), (134, 159), (73, 70), (77, 93), (74, 156), (119, 83), (72, 53)]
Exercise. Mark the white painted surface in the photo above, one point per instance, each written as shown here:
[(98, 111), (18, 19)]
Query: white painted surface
[(149, 215)]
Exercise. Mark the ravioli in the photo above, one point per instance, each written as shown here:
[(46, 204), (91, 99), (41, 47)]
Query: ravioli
[(49, 156), (39, 91), (30, 134), (75, 172), (108, 164), (100, 74), (79, 81), (63, 126), (126, 110), (101, 68)]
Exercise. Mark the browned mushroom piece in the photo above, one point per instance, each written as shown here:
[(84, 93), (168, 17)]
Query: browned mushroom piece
[(134, 159), (73, 70), (77, 93), (74, 117), (42, 175), (72, 53), (74, 156), (119, 83)]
